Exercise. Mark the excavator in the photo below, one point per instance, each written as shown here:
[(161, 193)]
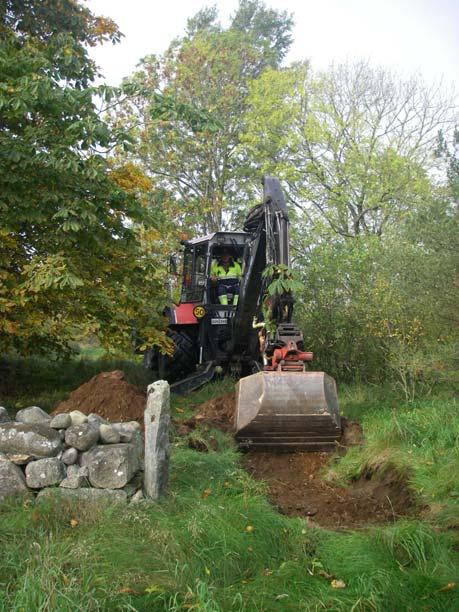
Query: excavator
[(281, 405)]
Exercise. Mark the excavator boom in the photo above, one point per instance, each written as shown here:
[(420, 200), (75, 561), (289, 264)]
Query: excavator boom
[(283, 407)]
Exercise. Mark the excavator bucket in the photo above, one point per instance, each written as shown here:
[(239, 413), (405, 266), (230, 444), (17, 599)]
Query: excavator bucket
[(287, 411)]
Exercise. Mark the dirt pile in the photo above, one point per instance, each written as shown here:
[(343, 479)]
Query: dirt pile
[(217, 412), (108, 395), (296, 488)]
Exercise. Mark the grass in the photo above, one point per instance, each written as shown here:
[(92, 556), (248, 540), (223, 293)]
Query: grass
[(215, 544), (419, 439)]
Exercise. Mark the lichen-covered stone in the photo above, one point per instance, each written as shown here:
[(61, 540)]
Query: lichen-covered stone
[(29, 439), (44, 473), (81, 437), (111, 466), (19, 459), (69, 456), (108, 434), (96, 420), (4, 416), (12, 481), (76, 477), (128, 431), (33, 415), (157, 421), (78, 417), (61, 421), (137, 497)]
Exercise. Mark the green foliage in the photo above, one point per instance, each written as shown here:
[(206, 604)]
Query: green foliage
[(196, 163), (281, 280), (74, 257), (353, 142)]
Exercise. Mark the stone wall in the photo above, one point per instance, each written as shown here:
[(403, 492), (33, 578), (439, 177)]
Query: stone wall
[(72, 455)]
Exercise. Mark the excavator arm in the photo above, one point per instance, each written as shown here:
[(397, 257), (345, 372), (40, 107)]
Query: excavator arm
[(269, 245), (284, 406)]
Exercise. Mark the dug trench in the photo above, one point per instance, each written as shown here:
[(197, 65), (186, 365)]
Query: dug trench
[(295, 482)]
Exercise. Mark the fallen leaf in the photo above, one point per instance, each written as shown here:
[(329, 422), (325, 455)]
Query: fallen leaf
[(338, 584), (205, 493), (249, 528), (179, 410), (73, 523), (267, 571), (65, 579), (448, 587), (127, 590), (154, 589)]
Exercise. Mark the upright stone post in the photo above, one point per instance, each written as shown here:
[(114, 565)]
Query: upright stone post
[(157, 420)]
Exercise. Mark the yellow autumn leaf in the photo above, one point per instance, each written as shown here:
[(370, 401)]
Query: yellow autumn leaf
[(338, 584), (448, 587)]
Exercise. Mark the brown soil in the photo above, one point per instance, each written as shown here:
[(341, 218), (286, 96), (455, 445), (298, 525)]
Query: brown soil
[(217, 412), (296, 488), (109, 396), (295, 485)]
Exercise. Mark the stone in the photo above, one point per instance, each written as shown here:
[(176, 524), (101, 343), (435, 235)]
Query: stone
[(76, 477), (137, 497), (69, 456), (134, 485), (127, 430), (61, 434), (44, 473), (81, 437), (28, 439), (61, 421), (33, 415), (4, 416), (111, 466), (19, 459), (96, 420), (78, 417), (12, 481), (157, 449), (89, 496), (108, 434)]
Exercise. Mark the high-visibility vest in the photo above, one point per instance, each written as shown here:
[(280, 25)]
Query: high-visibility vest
[(234, 270)]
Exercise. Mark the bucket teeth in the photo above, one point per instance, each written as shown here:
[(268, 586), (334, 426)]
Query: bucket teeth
[(287, 411)]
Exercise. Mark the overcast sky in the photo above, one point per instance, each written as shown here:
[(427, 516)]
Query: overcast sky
[(411, 36)]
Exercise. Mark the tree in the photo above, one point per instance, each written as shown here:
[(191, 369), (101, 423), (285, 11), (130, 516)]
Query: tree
[(372, 226), (77, 246), (199, 166), (353, 143)]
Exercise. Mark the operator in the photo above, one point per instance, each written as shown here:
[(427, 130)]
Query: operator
[(226, 272)]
